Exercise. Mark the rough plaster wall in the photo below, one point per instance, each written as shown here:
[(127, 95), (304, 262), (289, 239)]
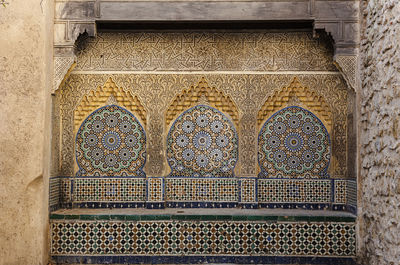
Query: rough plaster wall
[(24, 38), (380, 134)]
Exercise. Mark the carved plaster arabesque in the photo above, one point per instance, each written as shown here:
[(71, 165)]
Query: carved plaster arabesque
[(347, 65), (156, 161), (195, 95), (101, 96), (337, 18), (289, 95), (62, 67), (206, 51), (71, 19), (64, 52)]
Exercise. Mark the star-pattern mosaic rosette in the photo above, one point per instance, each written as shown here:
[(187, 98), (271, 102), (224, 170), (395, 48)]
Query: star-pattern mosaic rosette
[(202, 142), (111, 142), (293, 143)]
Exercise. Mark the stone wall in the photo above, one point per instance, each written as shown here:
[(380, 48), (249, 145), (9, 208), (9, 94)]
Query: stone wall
[(380, 133), (25, 42)]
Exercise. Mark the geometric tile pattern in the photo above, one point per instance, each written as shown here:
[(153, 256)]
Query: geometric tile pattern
[(54, 192), (340, 191), (104, 189), (197, 191), (293, 143), (201, 189), (248, 190), (352, 193), (111, 142), (202, 142), (202, 238), (294, 190), (66, 190), (202, 192), (155, 189)]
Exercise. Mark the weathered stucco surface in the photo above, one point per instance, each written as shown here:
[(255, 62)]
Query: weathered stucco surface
[(24, 53), (380, 133)]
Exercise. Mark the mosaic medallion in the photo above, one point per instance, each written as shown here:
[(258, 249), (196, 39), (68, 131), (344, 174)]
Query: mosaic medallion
[(202, 142), (293, 143), (111, 142)]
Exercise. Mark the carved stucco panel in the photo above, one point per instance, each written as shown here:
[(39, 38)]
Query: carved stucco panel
[(347, 64), (62, 66), (206, 51), (248, 92)]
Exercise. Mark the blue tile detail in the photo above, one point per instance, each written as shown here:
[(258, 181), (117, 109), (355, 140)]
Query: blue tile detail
[(155, 205), (307, 206), (249, 205), (95, 205), (202, 204)]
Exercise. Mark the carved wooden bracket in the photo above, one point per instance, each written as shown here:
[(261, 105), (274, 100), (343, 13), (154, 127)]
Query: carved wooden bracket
[(72, 19)]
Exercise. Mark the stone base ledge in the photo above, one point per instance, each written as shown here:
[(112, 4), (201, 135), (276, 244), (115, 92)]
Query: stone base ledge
[(225, 214)]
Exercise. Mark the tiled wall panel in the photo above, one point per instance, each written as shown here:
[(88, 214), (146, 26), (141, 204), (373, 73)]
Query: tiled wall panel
[(294, 191), (248, 190), (195, 192), (340, 191), (109, 189), (54, 193), (66, 189), (352, 196), (202, 238), (201, 189)]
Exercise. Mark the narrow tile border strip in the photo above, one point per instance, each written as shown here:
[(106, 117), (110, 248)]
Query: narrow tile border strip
[(183, 217), (307, 206), (210, 204), (100, 205), (203, 259)]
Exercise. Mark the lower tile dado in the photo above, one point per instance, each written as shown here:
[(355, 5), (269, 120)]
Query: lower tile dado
[(107, 241)]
